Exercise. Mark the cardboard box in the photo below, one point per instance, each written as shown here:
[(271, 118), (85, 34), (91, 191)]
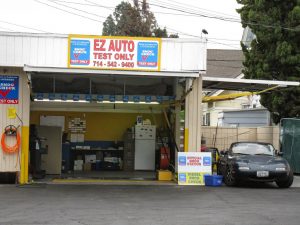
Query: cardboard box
[(78, 167), (164, 175), (90, 158), (87, 167)]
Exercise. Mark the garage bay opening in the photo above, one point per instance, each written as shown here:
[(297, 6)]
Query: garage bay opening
[(91, 127)]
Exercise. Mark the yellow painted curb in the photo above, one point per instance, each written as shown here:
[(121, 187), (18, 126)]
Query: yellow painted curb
[(107, 181)]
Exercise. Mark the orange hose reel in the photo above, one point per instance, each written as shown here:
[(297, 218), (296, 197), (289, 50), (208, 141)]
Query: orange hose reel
[(10, 131)]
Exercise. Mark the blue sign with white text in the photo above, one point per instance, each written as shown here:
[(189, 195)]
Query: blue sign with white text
[(9, 89), (206, 161), (147, 54), (136, 98), (125, 98), (76, 97), (100, 98), (80, 52), (182, 160), (182, 177)]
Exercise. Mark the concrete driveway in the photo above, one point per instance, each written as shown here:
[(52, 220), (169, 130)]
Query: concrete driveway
[(149, 204)]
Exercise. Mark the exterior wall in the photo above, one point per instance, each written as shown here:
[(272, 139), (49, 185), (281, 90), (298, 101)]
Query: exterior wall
[(100, 126), (36, 50), (11, 162), (221, 106), (51, 50), (228, 135)]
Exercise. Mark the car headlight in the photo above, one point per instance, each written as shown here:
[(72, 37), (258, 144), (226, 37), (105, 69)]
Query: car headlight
[(280, 169), (244, 168)]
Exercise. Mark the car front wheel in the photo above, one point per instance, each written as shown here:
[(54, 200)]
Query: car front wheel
[(229, 178), (286, 183)]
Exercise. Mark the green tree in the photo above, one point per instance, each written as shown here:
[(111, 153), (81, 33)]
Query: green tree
[(133, 20), (275, 52)]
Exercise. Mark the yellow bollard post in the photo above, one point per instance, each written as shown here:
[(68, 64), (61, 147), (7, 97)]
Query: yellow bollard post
[(186, 139), (24, 155)]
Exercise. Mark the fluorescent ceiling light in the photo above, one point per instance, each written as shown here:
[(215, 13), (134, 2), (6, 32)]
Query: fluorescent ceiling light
[(104, 102), (59, 100), (130, 102)]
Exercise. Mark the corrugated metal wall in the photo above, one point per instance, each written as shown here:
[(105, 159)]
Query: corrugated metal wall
[(36, 50), (183, 55), (8, 162), (250, 118), (17, 49)]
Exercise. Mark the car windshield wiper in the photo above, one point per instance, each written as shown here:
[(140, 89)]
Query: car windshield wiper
[(262, 154), (240, 153)]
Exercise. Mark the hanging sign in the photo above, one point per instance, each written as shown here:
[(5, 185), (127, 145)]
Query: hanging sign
[(115, 53), (192, 166), (9, 89)]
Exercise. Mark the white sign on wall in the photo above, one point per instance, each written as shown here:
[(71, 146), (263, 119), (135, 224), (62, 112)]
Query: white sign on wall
[(192, 166), (53, 121)]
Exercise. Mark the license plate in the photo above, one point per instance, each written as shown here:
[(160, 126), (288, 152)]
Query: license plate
[(262, 173)]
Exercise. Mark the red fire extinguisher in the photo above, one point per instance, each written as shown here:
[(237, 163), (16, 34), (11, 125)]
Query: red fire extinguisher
[(164, 158)]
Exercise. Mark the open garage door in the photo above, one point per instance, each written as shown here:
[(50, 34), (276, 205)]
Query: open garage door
[(112, 125)]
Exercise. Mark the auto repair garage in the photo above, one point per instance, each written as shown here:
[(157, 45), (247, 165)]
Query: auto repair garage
[(97, 107)]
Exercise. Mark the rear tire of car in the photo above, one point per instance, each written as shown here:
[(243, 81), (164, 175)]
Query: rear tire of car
[(229, 178), (286, 183)]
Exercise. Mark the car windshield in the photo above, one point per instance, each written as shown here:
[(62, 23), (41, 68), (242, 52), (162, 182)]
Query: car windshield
[(252, 149)]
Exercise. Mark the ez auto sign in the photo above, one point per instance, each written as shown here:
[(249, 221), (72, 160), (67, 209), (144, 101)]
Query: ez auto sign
[(114, 53)]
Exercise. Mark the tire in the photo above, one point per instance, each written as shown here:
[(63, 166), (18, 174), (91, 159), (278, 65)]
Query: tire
[(219, 172), (229, 178), (286, 183)]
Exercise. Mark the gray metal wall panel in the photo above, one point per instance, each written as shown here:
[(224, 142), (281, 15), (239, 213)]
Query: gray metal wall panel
[(249, 118)]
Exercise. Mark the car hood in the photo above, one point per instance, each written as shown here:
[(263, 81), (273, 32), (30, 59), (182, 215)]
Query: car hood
[(260, 159)]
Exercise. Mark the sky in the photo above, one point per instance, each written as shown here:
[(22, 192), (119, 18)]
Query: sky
[(188, 19)]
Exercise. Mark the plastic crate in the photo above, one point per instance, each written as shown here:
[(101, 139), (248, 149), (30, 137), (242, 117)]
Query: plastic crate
[(213, 180)]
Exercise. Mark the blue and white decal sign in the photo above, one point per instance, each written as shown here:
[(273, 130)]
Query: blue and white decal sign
[(9, 89), (80, 50), (114, 53), (192, 166)]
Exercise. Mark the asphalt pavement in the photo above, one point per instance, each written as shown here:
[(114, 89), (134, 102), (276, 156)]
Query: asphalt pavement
[(85, 204)]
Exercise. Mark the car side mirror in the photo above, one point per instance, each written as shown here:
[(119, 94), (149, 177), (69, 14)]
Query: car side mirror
[(280, 154), (223, 153)]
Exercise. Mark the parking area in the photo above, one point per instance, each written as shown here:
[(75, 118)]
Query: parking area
[(149, 204)]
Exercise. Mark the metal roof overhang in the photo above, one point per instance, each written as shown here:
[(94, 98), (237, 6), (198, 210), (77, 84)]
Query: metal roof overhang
[(218, 83), (138, 73), (209, 83)]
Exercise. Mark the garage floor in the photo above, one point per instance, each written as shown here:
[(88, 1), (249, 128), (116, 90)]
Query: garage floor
[(104, 175), (142, 175)]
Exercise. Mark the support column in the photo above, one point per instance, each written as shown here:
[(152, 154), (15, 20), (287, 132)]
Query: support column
[(25, 95), (193, 116), (178, 91)]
